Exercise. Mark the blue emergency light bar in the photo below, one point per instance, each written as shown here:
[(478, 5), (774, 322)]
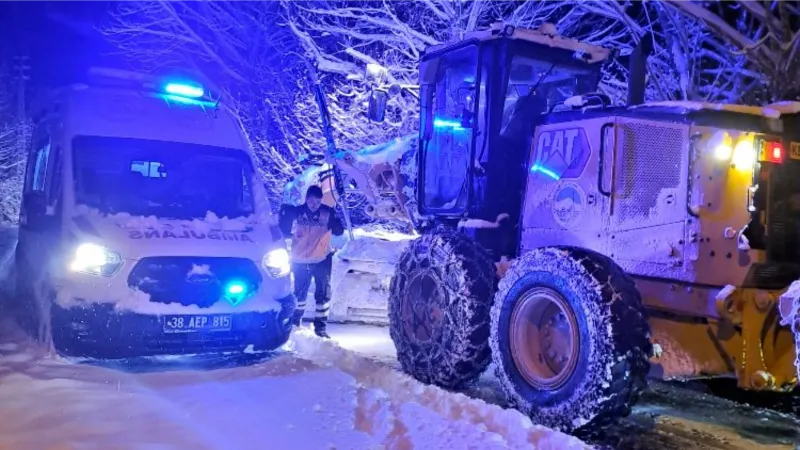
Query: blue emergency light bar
[(184, 90)]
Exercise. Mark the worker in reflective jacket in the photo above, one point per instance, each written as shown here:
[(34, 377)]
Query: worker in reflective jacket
[(311, 253)]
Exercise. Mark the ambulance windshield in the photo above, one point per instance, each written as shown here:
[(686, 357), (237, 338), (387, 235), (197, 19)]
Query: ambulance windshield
[(162, 179)]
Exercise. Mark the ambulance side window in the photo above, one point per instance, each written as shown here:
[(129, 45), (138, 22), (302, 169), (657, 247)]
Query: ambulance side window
[(38, 160), (56, 158)]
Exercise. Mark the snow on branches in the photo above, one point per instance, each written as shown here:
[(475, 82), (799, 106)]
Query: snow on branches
[(765, 35), (14, 135), (240, 50), (689, 62), (254, 52)]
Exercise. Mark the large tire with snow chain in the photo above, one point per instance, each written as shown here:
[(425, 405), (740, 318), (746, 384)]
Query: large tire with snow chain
[(439, 303), (570, 339)]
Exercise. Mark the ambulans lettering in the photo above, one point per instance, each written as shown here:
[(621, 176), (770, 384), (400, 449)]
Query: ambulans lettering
[(187, 234), (563, 152)]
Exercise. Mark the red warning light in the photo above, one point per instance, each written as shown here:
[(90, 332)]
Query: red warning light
[(772, 151)]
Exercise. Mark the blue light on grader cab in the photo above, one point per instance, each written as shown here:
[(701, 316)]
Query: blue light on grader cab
[(546, 171), (184, 90), (442, 123)]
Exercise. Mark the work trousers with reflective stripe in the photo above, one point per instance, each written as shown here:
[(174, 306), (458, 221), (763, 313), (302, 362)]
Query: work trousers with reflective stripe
[(321, 274)]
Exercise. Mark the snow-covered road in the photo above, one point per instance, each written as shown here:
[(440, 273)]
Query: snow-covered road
[(317, 395), (311, 395), (672, 416), (346, 395)]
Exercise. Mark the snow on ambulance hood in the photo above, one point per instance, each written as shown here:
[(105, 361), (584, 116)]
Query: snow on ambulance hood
[(138, 236)]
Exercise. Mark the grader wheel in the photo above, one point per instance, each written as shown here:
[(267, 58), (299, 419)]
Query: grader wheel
[(570, 340), (439, 309)]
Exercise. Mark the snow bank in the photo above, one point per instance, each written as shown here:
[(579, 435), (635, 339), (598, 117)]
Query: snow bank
[(383, 233), (211, 222), (286, 402), (508, 427), (773, 111), (785, 107), (136, 301), (324, 398), (373, 248), (789, 307)]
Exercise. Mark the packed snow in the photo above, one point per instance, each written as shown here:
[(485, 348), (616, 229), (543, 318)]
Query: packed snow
[(136, 301), (576, 101), (789, 307), (211, 222), (773, 111), (318, 395)]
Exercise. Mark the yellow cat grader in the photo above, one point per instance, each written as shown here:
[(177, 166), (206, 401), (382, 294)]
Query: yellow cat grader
[(658, 240)]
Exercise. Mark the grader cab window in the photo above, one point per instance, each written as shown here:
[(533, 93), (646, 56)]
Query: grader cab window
[(535, 86), (449, 97)]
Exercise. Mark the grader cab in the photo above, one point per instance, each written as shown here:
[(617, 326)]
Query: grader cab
[(647, 240)]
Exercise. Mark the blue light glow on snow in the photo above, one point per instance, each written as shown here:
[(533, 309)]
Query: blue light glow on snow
[(184, 90), (546, 171)]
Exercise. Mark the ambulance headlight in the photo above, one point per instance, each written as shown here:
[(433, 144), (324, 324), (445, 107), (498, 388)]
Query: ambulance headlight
[(277, 262), (96, 260)]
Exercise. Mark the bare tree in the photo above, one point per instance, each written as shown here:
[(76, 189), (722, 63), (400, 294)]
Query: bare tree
[(237, 48), (766, 35), (253, 53), (689, 62), (14, 134)]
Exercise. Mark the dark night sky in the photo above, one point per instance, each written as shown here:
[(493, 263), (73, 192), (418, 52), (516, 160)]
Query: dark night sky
[(59, 37)]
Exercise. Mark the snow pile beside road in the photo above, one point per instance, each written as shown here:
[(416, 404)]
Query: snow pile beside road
[(324, 398), (130, 300), (789, 308), (386, 387), (370, 248), (210, 223), (796, 329), (773, 111)]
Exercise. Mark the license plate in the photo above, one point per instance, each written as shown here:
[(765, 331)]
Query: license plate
[(197, 323), (794, 150)]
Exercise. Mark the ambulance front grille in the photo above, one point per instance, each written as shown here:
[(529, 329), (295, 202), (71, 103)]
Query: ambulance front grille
[(190, 280)]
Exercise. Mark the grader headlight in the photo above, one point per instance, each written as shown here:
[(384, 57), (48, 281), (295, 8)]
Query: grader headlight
[(741, 151), (744, 154), (723, 149)]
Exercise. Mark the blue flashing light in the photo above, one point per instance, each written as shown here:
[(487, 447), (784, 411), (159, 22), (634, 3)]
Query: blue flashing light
[(235, 292), (170, 99), (546, 171), (441, 123), (235, 288), (184, 90)]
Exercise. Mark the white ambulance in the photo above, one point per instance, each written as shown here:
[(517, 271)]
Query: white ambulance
[(144, 229)]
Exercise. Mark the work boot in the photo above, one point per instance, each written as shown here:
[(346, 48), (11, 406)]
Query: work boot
[(320, 329), (297, 319), (322, 333)]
